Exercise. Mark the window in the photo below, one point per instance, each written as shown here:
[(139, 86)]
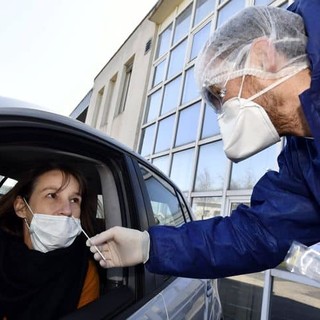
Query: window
[(171, 95), (188, 125), (206, 207), (163, 199), (182, 168), (182, 25), (6, 184), (125, 88), (108, 102), (190, 90), (147, 140), (159, 73), (233, 202), (162, 163), (199, 40), (211, 167), (164, 41), (177, 59), (153, 105), (210, 123), (165, 134), (98, 107), (246, 173), (230, 9), (203, 9)]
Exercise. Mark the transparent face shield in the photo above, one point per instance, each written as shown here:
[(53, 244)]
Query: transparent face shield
[(214, 94), (214, 97)]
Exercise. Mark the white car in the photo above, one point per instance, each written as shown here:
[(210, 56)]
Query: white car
[(131, 193)]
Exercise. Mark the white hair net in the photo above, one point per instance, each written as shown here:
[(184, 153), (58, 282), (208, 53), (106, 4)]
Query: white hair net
[(225, 55)]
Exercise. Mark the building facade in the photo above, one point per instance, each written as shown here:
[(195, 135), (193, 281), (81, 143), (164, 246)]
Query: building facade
[(119, 90), (146, 98)]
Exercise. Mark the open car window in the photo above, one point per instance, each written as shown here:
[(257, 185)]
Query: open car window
[(6, 184), (123, 193), (103, 193)]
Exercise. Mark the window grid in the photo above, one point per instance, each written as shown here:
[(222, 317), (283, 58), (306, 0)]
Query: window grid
[(161, 84), (210, 19), (125, 87)]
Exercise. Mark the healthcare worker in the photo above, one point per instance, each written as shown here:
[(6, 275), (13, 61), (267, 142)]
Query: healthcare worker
[(257, 75)]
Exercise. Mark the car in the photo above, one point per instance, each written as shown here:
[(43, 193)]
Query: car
[(131, 192)]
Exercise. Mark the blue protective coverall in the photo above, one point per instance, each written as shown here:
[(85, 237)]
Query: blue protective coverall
[(285, 205)]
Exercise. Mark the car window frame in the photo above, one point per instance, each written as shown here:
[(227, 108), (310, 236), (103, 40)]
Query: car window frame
[(185, 211)]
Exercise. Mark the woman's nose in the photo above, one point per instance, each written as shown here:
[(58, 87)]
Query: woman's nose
[(65, 208)]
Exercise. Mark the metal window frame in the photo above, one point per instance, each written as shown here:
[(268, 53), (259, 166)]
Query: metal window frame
[(268, 285)]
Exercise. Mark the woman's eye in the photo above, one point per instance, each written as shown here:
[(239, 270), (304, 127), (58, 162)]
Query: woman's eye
[(75, 200), (52, 195)]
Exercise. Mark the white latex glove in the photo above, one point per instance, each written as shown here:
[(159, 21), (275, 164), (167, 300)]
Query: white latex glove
[(121, 247)]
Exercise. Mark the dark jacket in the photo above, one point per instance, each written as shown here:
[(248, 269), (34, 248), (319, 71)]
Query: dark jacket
[(36, 285)]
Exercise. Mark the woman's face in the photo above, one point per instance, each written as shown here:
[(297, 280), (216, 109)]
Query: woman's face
[(49, 198), (51, 195)]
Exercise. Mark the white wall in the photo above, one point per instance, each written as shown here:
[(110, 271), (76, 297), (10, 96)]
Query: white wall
[(124, 127)]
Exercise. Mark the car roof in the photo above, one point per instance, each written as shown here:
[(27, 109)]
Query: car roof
[(12, 110), (16, 103), (17, 114)]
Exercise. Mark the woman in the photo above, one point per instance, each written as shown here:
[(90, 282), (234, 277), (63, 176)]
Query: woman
[(45, 267)]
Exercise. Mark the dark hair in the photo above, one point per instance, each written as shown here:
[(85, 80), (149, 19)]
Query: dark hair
[(12, 224)]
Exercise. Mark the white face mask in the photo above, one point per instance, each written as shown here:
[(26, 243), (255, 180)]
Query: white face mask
[(245, 127), (50, 232)]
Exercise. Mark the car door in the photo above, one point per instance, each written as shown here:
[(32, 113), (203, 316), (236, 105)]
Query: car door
[(183, 298), (127, 191)]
